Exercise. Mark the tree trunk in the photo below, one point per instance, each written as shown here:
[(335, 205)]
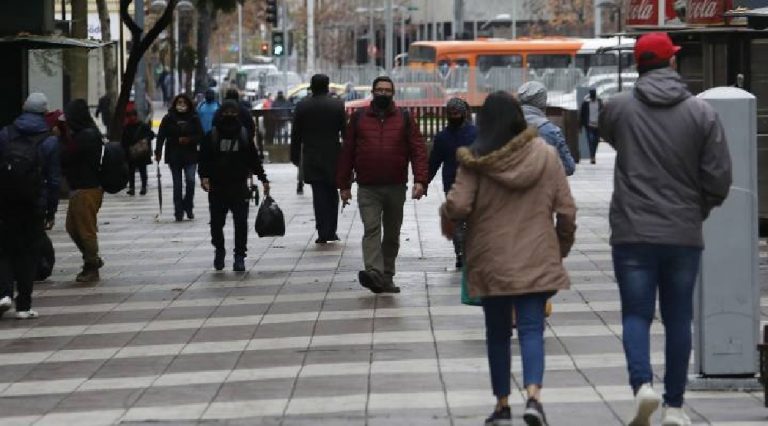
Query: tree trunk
[(110, 67), (204, 24), (139, 47)]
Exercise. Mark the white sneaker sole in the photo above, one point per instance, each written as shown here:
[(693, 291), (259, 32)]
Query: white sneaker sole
[(645, 410)]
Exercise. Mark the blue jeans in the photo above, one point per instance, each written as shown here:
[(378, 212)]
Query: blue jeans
[(183, 203), (593, 138), (529, 309), (641, 269)]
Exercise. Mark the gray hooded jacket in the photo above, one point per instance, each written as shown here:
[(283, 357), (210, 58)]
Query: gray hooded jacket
[(672, 162)]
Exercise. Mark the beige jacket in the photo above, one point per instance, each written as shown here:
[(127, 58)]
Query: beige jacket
[(509, 198)]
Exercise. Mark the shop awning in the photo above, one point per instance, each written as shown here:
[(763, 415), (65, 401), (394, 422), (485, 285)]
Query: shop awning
[(30, 41)]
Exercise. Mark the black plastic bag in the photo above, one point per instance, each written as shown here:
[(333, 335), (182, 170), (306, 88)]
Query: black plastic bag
[(269, 220), (46, 258)]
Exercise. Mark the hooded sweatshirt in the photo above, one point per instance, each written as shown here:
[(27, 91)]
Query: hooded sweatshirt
[(81, 156), (30, 124), (672, 162), (551, 135), (508, 198)]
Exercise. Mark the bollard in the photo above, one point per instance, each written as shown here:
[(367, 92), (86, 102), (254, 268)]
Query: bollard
[(727, 314)]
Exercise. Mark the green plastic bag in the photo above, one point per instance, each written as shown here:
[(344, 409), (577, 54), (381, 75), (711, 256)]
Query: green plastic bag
[(465, 298)]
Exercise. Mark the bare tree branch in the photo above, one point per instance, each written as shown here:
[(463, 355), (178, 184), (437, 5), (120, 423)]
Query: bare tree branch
[(128, 19)]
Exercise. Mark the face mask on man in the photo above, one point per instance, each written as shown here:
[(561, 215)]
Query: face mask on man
[(381, 101), (455, 121)]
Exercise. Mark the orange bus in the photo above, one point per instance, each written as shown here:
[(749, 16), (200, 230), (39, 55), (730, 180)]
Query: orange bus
[(472, 69)]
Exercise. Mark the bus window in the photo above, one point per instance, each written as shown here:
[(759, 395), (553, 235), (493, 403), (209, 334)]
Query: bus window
[(541, 61), (421, 54), (486, 62)]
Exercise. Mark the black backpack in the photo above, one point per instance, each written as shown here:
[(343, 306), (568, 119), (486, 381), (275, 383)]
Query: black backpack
[(113, 169), (46, 258), (21, 169)]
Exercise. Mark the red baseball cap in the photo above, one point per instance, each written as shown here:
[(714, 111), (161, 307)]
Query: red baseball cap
[(653, 48)]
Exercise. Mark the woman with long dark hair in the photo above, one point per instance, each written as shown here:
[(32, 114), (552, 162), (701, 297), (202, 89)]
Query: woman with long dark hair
[(182, 129), (509, 187)]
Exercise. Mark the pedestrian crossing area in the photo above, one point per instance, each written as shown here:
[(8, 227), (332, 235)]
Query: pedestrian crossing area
[(295, 340)]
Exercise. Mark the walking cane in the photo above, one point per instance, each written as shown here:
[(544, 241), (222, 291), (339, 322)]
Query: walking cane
[(159, 193)]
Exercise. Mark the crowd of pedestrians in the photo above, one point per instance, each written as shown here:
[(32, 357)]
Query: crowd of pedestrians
[(508, 205)]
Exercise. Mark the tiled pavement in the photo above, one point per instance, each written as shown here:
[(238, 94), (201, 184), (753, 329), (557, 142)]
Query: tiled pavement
[(295, 340)]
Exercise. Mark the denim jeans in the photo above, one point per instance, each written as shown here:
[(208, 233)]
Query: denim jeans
[(183, 203), (641, 269), (593, 138), (498, 333)]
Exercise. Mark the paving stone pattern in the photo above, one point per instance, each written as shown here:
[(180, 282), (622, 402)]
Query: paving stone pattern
[(164, 338)]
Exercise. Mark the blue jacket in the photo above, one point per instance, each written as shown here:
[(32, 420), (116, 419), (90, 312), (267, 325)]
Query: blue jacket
[(551, 134), (32, 124), (206, 111), (444, 152)]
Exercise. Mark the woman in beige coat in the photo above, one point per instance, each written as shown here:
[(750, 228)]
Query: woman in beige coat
[(509, 187)]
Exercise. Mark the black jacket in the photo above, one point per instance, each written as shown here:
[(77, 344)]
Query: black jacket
[(584, 111), (81, 155), (318, 126), (132, 133), (175, 126), (229, 162)]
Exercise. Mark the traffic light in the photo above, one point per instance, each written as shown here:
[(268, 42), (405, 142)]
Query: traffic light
[(271, 12), (265, 48), (278, 43)]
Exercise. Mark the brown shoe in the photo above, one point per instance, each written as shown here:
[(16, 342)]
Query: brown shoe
[(88, 275)]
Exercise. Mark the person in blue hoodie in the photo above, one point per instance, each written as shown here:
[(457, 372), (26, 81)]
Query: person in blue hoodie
[(533, 97), (459, 132), (206, 110), (22, 223)]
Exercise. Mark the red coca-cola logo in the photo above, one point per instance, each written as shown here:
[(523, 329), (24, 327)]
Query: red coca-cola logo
[(706, 11), (643, 12)]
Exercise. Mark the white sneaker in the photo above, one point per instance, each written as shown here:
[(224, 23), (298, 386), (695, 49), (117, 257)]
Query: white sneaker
[(646, 402), (674, 417), (30, 314), (5, 304)]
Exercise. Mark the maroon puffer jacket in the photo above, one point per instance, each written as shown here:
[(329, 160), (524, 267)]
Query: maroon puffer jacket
[(377, 149)]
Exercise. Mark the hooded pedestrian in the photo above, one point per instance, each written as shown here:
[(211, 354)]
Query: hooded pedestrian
[(458, 133), (182, 131), (207, 110), (137, 135), (28, 202), (672, 169), (509, 186), (80, 160), (533, 97), (227, 159)]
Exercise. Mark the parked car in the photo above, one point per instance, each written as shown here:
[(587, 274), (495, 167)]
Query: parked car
[(409, 95), (300, 91)]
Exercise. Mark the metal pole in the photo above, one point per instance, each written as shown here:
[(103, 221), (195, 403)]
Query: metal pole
[(514, 19), (458, 19), (389, 35), (239, 35), (598, 19), (139, 87), (310, 36), (175, 54), (371, 36), (63, 10), (402, 31), (434, 20), (284, 10)]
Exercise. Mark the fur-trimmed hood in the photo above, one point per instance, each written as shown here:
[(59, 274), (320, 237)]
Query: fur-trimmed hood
[(517, 165)]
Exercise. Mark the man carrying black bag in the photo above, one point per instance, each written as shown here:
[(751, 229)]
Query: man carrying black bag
[(227, 159)]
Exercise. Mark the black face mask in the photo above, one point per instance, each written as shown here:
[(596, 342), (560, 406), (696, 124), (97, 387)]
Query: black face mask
[(455, 122), (382, 102)]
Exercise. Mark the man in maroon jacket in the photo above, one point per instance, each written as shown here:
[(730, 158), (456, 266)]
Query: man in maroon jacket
[(379, 142)]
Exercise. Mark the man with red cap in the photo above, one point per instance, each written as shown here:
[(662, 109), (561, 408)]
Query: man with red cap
[(672, 168)]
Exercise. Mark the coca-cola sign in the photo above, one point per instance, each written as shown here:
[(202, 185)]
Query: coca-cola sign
[(655, 13), (643, 12), (706, 12)]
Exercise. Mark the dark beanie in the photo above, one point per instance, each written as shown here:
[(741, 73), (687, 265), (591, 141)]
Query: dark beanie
[(319, 84)]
